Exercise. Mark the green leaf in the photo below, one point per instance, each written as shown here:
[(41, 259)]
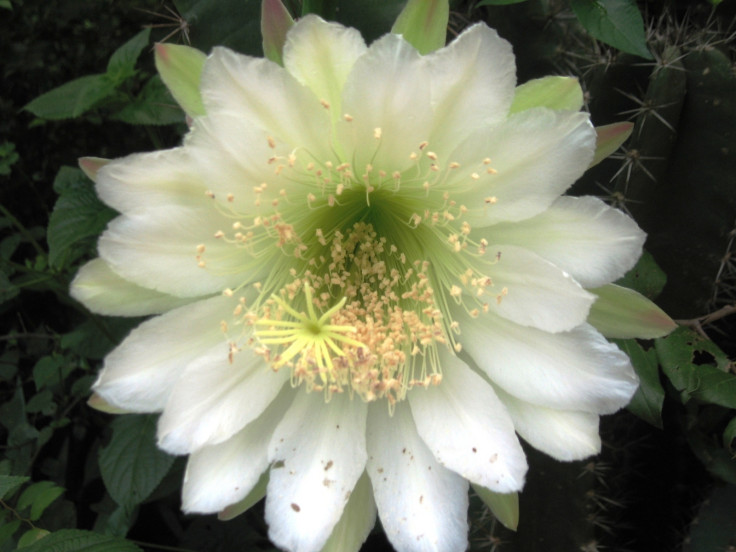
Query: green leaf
[(131, 464), (649, 398), (72, 99), (615, 22), (716, 459), (729, 434), (372, 19), (154, 105), (9, 483), (498, 2), (423, 23), (646, 277), (713, 527), (7, 289), (697, 368), (42, 402), (74, 540), (39, 496), (95, 338), (8, 530), (505, 507), (31, 536), (77, 219), (8, 156), (121, 65), (48, 371), (326, 9)]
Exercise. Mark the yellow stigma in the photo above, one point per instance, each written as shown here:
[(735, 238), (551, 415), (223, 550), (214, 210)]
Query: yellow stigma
[(312, 340)]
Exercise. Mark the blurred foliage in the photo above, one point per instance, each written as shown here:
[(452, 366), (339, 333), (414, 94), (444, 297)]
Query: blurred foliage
[(79, 80)]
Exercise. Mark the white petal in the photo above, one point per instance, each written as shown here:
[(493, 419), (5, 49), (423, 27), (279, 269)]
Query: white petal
[(473, 82), (422, 505), (223, 474), (357, 520), (468, 429), (318, 454), (575, 370), (261, 93), (320, 55), (563, 434), (157, 248), (586, 238), (140, 373), (533, 292), (233, 157), (537, 155), (152, 179), (388, 89), (215, 398), (102, 291)]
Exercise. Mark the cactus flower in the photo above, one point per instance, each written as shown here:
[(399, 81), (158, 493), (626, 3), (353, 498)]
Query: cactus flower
[(365, 283)]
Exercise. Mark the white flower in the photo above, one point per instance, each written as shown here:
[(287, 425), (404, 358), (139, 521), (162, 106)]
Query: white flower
[(366, 282)]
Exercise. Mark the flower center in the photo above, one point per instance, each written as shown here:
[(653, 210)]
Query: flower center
[(360, 270)]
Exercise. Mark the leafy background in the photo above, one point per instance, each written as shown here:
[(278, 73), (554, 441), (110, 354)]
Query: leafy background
[(79, 80)]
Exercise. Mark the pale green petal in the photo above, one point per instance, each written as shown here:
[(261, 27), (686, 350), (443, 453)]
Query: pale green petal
[(609, 139), (275, 23), (90, 166), (357, 520), (320, 55), (98, 403), (102, 291), (503, 506), (552, 92), (423, 23), (623, 313), (180, 68), (257, 493)]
